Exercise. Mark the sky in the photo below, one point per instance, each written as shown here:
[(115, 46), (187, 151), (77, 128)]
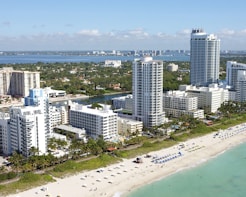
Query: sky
[(118, 24)]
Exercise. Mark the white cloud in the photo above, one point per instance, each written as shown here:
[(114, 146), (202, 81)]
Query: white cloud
[(89, 32), (184, 32), (226, 32), (90, 39), (162, 35), (138, 32)]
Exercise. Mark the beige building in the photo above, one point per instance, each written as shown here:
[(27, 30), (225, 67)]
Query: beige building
[(18, 83), (129, 126)]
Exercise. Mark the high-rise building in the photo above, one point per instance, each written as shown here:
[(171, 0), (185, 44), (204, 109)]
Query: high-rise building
[(37, 97), (27, 129), (241, 86), (204, 58), (17, 83), (5, 145), (236, 79), (232, 70), (147, 88)]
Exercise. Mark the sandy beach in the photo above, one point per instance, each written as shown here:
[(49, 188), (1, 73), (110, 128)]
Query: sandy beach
[(121, 178)]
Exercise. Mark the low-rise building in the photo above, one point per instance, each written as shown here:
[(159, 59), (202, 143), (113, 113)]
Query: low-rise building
[(123, 102), (80, 134), (172, 67), (112, 63), (128, 126), (96, 122), (54, 93)]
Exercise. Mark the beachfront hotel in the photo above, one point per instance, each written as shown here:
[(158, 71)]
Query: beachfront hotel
[(147, 90), (17, 83), (101, 122), (204, 58), (178, 103), (28, 129), (209, 98)]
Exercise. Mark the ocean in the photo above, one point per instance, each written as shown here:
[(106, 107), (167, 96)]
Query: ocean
[(222, 176)]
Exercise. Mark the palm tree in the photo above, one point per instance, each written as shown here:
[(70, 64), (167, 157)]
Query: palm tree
[(16, 159), (93, 147), (33, 151)]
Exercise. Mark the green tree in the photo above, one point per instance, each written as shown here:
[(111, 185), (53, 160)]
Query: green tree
[(17, 160)]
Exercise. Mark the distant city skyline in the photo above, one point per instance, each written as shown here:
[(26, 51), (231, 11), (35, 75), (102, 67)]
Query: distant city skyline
[(119, 25)]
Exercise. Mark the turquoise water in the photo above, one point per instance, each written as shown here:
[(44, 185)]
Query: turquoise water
[(223, 176)]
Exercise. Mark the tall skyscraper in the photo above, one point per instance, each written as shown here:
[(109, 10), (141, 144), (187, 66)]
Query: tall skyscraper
[(236, 79), (147, 88), (37, 97), (17, 83), (27, 129), (204, 58)]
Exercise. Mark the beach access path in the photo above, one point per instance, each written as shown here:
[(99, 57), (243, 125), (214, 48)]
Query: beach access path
[(123, 177)]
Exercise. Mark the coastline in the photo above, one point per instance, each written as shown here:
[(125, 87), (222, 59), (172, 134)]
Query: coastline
[(122, 178), (60, 99)]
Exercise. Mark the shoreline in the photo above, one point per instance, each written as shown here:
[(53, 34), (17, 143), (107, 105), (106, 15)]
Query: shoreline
[(124, 177), (83, 96), (64, 98)]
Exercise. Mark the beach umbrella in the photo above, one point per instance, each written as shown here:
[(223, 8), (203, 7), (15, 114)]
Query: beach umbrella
[(84, 185)]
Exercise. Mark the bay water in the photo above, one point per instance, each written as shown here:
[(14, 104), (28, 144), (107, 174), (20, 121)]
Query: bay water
[(222, 176), (26, 59)]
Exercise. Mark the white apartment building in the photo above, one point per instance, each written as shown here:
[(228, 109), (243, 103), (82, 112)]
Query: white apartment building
[(209, 98), (37, 97), (204, 58), (236, 79), (178, 103), (18, 83), (58, 116), (119, 102), (232, 69), (129, 126), (5, 144), (96, 122), (54, 93), (123, 102), (240, 86), (147, 90), (172, 67), (55, 117), (64, 114), (112, 63), (27, 129)]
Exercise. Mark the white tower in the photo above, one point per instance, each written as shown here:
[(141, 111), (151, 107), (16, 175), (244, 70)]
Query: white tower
[(147, 90), (27, 129), (204, 58)]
